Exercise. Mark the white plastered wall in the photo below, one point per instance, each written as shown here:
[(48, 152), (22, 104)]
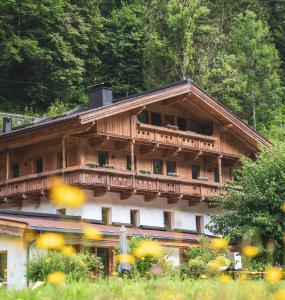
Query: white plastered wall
[(16, 260)]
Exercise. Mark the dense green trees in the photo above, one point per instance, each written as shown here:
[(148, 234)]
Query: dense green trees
[(54, 49)]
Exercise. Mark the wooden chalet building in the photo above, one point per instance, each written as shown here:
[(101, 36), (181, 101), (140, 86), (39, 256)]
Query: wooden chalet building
[(149, 161)]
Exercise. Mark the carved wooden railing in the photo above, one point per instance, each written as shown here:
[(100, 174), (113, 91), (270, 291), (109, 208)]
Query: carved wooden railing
[(113, 179), (157, 134)]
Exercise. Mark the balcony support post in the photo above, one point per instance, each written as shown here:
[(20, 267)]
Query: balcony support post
[(220, 168), (132, 156), (63, 147), (7, 164)]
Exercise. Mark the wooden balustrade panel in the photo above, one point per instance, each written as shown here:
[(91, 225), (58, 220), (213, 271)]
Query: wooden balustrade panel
[(165, 138), (120, 181), (210, 191), (146, 184), (72, 178), (187, 142), (145, 134), (94, 179), (190, 189), (169, 186), (208, 145)]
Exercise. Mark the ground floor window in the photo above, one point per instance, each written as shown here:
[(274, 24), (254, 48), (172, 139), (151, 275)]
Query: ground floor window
[(134, 217), (168, 220), (199, 224), (3, 266), (106, 215)]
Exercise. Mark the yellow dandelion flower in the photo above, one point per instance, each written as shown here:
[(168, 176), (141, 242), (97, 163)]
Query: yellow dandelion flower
[(91, 233), (203, 276), (125, 259), (50, 240), (56, 278), (67, 195), (148, 248), (250, 251), (273, 275), (224, 278), (219, 243), (68, 251), (279, 295)]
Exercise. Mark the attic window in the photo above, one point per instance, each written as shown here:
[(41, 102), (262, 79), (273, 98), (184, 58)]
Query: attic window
[(169, 120), (143, 117), (156, 119), (182, 123)]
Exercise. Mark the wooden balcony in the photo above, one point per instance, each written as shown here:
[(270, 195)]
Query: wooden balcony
[(177, 138), (103, 179)]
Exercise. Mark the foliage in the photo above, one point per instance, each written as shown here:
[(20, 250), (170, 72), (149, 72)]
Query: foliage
[(76, 267), (161, 288), (257, 206)]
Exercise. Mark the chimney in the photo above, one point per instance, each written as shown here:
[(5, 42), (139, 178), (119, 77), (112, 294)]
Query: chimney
[(99, 95), (7, 125)]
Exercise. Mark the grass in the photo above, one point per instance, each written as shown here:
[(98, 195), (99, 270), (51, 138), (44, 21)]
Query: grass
[(163, 288)]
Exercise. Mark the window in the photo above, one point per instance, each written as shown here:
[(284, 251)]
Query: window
[(3, 266), (169, 120), (143, 117), (106, 215), (128, 162), (155, 118), (170, 166), (61, 211), (167, 220), (182, 124), (15, 170), (39, 165), (216, 174), (157, 166), (134, 217), (195, 169), (199, 224), (103, 158)]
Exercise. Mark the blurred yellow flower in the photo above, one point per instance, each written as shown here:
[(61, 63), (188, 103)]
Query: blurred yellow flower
[(50, 240), (67, 195), (56, 278), (91, 233), (125, 259), (224, 278), (273, 275), (279, 295), (148, 248), (203, 276), (115, 274), (283, 207), (250, 251), (219, 243), (243, 277), (68, 251)]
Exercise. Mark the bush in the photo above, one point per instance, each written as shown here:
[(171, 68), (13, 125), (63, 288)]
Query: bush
[(75, 267), (194, 268)]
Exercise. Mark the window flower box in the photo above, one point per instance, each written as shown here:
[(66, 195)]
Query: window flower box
[(172, 174), (92, 165), (144, 172)]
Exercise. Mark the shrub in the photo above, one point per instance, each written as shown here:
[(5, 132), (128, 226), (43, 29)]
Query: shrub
[(75, 267), (194, 268)]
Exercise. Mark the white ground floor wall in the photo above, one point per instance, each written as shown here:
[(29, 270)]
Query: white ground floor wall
[(150, 213)]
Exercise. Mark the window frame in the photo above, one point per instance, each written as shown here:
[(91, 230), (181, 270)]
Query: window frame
[(168, 163), (198, 171), (152, 122), (108, 220), (135, 213), (169, 223), (146, 112), (15, 164), (35, 164), (199, 224), (153, 169), (100, 152)]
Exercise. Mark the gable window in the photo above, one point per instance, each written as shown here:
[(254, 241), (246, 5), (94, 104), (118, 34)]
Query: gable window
[(157, 166), (134, 215), (169, 120), (39, 165), (106, 215), (15, 170), (156, 119), (170, 166), (195, 170), (143, 117), (216, 174), (199, 224), (182, 123), (128, 162), (168, 220), (103, 158)]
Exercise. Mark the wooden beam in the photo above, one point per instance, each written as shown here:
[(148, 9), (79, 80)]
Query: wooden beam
[(172, 153), (132, 156), (195, 201), (149, 149), (99, 192), (224, 127), (174, 199), (123, 146), (137, 111), (99, 142), (173, 100), (127, 194), (63, 149), (193, 156), (148, 197), (220, 168)]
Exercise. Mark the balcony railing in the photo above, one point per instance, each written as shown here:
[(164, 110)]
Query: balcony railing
[(112, 179), (162, 135)]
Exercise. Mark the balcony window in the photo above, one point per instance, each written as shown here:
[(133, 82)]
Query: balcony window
[(128, 162), (103, 158), (168, 220), (134, 215), (216, 174), (157, 166), (156, 119), (195, 170), (39, 165), (199, 224), (106, 215), (170, 166), (15, 170), (143, 117), (182, 123), (169, 120)]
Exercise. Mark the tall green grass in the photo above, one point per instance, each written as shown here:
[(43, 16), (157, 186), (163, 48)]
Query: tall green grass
[(160, 289)]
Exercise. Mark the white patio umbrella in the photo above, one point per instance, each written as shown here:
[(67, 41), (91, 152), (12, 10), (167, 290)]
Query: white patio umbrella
[(123, 249)]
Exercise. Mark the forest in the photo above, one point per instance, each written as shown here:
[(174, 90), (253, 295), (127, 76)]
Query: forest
[(52, 50)]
